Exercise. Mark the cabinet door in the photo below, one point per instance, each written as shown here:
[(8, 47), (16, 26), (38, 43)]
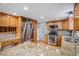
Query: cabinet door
[(4, 20), (59, 25), (76, 24), (35, 35), (47, 26), (65, 25), (34, 24), (71, 23), (13, 21), (0, 20), (76, 9)]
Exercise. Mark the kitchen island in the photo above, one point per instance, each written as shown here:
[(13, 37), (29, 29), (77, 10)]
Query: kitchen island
[(28, 49), (41, 49)]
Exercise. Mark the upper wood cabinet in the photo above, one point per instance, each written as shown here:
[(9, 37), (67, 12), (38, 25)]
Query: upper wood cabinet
[(76, 23), (76, 16), (58, 23), (71, 23), (34, 24), (13, 21), (8, 20), (76, 9), (65, 24), (68, 24), (10, 23), (4, 20)]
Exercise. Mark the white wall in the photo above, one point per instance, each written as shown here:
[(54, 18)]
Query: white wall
[(41, 31)]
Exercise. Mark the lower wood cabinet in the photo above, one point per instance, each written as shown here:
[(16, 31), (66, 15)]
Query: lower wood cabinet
[(9, 42), (34, 23)]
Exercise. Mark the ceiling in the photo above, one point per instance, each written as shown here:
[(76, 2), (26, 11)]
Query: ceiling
[(38, 11)]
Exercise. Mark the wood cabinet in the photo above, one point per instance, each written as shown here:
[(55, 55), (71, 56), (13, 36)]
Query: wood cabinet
[(4, 20), (65, 24), (10, 24), (34, 23), (59, 38), (9, 42), (76, 17), (8, 20), (58, 23), (76, 9), (13, 21), (46, 38), (71, 23), (76, 23), (68, 24)]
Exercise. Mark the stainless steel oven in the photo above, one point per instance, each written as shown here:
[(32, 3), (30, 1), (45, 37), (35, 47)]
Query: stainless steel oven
[(52, 39), (52, 34)]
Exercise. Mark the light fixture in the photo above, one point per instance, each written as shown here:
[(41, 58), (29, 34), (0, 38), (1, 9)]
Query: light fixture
[(70, 13), (25, 8), (42, 17), (14, 13), (57, 19)]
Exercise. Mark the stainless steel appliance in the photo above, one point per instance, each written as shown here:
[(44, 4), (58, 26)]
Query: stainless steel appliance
[(27, 31), (52, 34)]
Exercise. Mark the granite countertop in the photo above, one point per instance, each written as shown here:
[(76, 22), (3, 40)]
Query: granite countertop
[(28, 49)]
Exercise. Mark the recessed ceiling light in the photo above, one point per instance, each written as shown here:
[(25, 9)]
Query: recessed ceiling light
[(42, 17), (57, 19), (14, 13), (25, 8)]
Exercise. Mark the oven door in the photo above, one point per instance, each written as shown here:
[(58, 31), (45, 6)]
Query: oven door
[(52, 39)]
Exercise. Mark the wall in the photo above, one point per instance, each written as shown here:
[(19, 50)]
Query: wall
[(41, 30)]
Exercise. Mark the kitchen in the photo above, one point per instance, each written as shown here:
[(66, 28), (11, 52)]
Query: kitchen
[(24, 33)]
